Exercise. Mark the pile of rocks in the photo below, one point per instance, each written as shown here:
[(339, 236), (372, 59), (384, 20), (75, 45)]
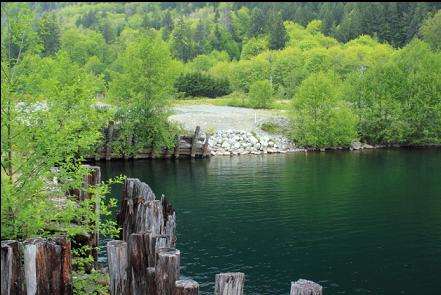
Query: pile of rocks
[(235, 142)]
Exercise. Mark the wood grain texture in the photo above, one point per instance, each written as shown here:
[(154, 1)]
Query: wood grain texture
[(230, 283), (11, 276), (187, 287), (305, 287), (117, 257), (167, 270)]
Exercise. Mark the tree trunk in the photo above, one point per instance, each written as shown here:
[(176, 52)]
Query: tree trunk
[(167, 270), (230, 283), (187, 287), (118, 267), (305, 287), (11, 269)]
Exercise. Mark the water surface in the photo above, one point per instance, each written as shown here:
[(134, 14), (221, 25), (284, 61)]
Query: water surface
[(356, 222)]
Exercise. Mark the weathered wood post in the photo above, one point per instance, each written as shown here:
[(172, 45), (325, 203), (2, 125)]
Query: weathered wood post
[(139, 247), (177, 147), (230, 283), (169, 214), (109, 139), (11, 269), (195, 141), (47, 266), (151, 281), (92, 239), (305, 287), (139, 212), (187, 287), (118, 267), (167, 270), (205, 149), (66, 261)]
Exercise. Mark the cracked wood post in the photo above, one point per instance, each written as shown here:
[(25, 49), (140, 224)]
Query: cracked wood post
[(11, 269), (141, 247), (139, 211), (205, 148), (151, 281), (305, 287), (177, 147), (118, 267), (167, 270), (92, 179), (230, 283), (187, 287), (195, 141), (47, 266)]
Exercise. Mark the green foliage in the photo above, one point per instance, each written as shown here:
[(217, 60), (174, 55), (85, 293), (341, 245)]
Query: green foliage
[(277, 32), (320, 117), (198, 84), (49, 33), (94, 283), (261, 94), (253, 47), (431, 31), (141, 89)]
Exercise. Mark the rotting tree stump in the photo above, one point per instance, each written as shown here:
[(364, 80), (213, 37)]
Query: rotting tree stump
[(230, 283), (305, 287)]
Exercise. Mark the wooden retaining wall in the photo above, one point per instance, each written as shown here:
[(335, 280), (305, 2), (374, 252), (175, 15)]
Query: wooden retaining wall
[(186, 147)]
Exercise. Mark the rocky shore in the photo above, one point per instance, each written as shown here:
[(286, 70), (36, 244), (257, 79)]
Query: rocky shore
[(236, 142)]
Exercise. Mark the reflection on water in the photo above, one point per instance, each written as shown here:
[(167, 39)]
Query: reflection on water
[(357, 223)]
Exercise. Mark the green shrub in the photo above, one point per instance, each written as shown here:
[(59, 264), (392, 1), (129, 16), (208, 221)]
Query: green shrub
[(261, 94), (198, 84), (321, 118)]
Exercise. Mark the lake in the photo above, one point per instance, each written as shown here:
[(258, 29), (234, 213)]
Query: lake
[(364, 222)]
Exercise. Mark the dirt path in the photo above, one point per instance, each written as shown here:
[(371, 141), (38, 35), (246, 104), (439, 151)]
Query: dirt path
[(219, 117)]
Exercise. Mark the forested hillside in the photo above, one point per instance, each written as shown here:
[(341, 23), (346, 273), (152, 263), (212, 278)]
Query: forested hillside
[(342, 73)]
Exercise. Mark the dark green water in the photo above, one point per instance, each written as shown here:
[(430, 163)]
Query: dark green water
[(357, 223)]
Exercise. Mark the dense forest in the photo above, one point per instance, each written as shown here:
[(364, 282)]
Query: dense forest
[(344, 72)]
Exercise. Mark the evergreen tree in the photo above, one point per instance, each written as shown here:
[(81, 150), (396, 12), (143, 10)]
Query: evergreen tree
[(167, 25), (182, 45), (201, 34), (49, 33), (277, 31), (257, 22)]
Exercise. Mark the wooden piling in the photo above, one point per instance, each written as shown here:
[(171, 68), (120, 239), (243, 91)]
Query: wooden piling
[(230, 283), (187, 287), (118, 267), (195, 141), (47, 266), (151, 281), (139, 251), (167, 270), (205, 148), (11, 276), (169, 215), (66, 263), (305, 287), (177, 147)]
